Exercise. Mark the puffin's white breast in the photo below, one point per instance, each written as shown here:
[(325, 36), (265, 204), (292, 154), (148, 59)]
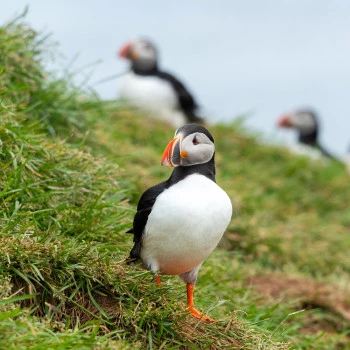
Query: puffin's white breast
[(153, 95), (186, 223), (308, 151)]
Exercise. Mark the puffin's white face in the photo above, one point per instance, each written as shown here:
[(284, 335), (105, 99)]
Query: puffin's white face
[(141, 52), (302, 121), (187, 150)]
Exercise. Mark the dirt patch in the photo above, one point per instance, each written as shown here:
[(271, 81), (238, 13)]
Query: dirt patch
[(308, 295)]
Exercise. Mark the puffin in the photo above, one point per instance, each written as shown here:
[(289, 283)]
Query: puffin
[(180, 221), (305, 122), (152, 90)]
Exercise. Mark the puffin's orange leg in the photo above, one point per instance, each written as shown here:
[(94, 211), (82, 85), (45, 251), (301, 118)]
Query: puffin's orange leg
[(157, 280), (190, 305)]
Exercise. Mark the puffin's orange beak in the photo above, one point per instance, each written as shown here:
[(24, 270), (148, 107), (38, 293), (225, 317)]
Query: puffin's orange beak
[(284, 122), (171, 155), (125, 51)]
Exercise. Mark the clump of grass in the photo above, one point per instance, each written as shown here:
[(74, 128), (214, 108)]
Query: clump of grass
[(21, 63), (61, 106)]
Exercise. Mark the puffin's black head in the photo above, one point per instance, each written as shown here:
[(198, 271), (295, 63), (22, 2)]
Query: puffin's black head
[(142, 54), (192, 144), (304, 121)]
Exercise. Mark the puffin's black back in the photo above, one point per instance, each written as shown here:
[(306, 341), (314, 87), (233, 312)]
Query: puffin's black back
[(310, 138), (186, 101)]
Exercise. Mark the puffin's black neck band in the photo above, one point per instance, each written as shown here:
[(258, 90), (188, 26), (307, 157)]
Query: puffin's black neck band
[(144, 71), (206, 169)]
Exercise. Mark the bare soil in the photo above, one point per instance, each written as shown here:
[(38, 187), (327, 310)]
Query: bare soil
[(333, 302)]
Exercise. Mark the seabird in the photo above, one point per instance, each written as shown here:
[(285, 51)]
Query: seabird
[(180, 221), (305, 122), (155, 92)]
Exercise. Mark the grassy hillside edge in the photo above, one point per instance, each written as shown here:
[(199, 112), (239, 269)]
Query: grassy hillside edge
[(72, 170)]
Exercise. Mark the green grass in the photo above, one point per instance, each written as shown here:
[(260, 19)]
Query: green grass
[(73, 168)]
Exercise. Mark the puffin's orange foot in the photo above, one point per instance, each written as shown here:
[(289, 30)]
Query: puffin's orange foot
[(157, 280), (195, 313)]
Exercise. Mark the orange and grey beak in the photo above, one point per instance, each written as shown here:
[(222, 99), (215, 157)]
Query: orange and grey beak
[(126, 51), (172, 154), (285, 122)]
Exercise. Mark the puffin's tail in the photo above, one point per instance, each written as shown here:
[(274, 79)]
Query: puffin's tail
[(325, 152)]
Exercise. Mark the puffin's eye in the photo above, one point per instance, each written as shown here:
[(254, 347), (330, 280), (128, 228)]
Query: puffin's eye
[(195, 141)]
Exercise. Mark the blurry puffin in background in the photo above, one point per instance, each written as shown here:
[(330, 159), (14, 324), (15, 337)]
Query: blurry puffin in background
[(155, 92), (180, 221), (305, 122)]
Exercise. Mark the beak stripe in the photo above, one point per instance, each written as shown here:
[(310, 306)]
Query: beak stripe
[(284, 121), (166, 158), (124, 51)]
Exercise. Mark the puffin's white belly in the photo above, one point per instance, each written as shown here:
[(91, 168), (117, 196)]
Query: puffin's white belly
[(153, 95), (307, 151), (186, 223)]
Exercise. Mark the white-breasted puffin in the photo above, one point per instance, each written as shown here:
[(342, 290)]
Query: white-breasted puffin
[(155, 92), (305, 122), (180, 221)]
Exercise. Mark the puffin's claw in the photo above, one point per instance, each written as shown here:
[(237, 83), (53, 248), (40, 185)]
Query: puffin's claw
[(195, 313)]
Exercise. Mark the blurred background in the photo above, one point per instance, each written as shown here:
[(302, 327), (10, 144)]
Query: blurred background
[(259, 59)]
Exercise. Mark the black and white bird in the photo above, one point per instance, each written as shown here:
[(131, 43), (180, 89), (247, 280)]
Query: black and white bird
[(305, 122), (155, 92), (180, 221)]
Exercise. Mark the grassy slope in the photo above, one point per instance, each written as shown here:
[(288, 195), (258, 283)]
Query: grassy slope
[(65, 206), (291, 221)]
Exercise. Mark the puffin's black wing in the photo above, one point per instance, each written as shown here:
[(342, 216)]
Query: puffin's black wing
[(144, 208), (186, 100), (311, 140)]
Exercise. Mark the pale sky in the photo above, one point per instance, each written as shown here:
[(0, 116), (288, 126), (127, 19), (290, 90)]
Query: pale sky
[(262, 57)]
